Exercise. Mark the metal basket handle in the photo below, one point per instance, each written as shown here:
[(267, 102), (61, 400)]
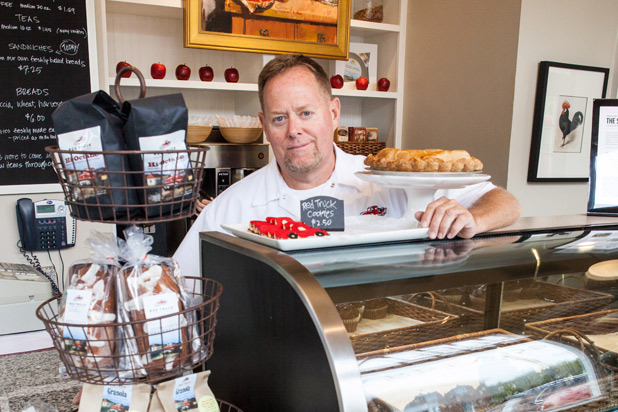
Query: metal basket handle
[(140, 76), (577, 277), (583, 340), (435, 297)]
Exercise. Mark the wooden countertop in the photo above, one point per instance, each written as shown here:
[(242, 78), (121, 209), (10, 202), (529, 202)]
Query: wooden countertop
[(534, 223)]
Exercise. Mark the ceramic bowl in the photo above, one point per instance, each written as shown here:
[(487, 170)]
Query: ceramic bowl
[(241, 135), (197, 134)]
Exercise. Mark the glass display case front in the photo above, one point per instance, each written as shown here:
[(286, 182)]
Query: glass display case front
[(512, 322)]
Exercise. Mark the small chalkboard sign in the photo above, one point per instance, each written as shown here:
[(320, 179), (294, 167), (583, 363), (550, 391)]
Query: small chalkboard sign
[(323, 212)]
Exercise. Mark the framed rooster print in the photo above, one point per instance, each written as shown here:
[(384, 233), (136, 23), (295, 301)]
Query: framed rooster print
[(562, 124), (316, 28)]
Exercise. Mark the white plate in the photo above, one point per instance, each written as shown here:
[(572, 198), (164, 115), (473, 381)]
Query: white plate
[(606, 270), (417, 180), (423, 174), (351, 236)]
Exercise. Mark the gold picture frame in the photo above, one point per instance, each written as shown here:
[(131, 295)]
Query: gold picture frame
[(316, 28)]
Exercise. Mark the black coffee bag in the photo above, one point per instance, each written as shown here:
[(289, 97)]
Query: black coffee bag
[(158, 124), (100, 189)]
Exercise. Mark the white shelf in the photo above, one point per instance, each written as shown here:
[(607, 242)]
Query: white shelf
[(367, 28), (365, 94), (241, 87), (188, 84), (145, 31), (154, 8)]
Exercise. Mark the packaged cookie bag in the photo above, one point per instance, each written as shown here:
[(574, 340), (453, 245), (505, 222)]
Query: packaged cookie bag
[(154, 303), (186, 393), (115, 398), (89, 306)]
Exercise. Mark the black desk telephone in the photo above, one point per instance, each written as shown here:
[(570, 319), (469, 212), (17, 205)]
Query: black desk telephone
[(44, 225)]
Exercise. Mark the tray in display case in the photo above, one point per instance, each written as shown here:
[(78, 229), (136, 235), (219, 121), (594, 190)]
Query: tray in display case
[(486, 371), (430, 324), (529, 301), (601, 328)]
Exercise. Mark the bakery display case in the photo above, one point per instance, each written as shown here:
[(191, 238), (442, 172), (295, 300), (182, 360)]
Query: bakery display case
[(513, 321)]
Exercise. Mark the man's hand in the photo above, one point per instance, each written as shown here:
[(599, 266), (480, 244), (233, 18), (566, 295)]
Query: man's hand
[(447, 218), (202, 203)]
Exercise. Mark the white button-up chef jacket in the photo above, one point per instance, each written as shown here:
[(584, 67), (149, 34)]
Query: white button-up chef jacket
[(264, 193)]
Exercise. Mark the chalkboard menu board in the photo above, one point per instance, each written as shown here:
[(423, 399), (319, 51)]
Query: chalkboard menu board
[(43, 61)]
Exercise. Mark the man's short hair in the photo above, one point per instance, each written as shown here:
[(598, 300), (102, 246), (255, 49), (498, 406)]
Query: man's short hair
[(284, 62)]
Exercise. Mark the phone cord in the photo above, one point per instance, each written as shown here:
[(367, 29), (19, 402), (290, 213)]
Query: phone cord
[(34, 262)]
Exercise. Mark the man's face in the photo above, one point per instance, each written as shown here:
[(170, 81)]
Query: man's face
[(299, 121)]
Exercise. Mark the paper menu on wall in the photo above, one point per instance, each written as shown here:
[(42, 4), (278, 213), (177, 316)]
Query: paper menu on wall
[(607, 158)]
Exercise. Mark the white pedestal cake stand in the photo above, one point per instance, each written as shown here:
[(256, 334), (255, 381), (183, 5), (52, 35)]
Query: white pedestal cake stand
[(420, 187)]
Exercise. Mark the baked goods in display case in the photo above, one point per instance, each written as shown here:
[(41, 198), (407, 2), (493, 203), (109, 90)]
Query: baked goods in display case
[(428, 160), (375, 308), (350, 315)]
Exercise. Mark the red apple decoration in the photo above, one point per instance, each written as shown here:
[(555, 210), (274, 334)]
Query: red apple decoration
[(183, 72), (362, 83), (157, 71), (336, 81), (206, 73), (231, 75), (384, 84), (120, 65)]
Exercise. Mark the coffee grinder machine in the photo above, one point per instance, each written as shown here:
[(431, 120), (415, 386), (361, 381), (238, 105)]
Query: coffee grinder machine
[(227, 163)]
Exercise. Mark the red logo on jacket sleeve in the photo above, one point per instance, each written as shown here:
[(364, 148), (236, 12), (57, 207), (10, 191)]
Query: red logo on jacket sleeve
[(374, 210)]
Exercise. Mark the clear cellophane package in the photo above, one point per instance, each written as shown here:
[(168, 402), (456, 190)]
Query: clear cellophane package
[(88, 307), (161, 331)]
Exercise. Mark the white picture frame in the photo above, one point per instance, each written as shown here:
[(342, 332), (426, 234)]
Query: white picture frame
[(363, 61)]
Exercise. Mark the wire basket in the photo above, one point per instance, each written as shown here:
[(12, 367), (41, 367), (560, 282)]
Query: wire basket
[(533, 301), (105, 360), (227, 407), (118, 193), (431, 325), (361, 148)]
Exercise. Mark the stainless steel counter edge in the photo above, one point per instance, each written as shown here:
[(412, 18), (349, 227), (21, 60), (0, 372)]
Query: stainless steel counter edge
[(532, 223), (333, 335)]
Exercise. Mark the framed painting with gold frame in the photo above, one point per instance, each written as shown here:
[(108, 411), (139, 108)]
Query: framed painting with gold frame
[(316, 28)]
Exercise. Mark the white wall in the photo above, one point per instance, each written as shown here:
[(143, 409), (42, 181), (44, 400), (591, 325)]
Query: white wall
[(460, 71), (566, 31)]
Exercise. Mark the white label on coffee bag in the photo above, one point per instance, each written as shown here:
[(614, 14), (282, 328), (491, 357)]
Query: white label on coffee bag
[(76, 309), (84, 140), (165, 331), (164, 162), (117, 395), (184, 393)]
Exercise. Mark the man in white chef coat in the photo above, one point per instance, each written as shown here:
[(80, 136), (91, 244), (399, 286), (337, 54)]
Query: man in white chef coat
[(299, 116)]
